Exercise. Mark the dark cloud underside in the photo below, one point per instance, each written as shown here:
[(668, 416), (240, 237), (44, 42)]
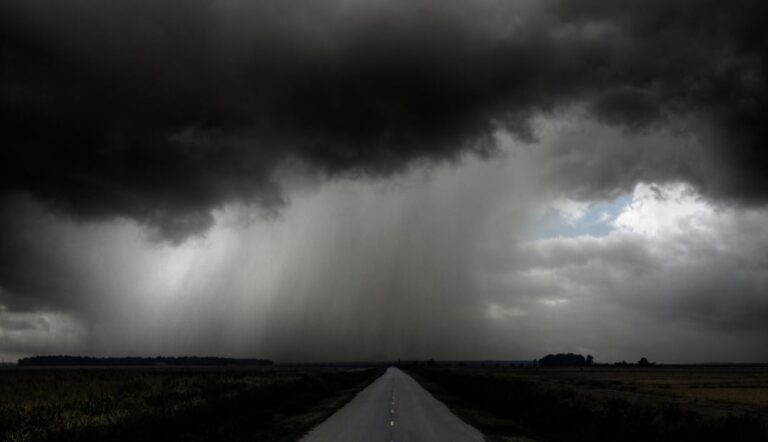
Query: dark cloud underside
[(162, 111)]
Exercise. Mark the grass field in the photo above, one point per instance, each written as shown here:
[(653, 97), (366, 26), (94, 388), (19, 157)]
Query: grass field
[(607, 404), (171, 404), (713, 388)]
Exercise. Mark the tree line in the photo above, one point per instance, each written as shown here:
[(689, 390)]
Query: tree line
[(577, 360)]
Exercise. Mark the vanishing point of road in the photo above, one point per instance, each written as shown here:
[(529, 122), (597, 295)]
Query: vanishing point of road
[(394, 408)]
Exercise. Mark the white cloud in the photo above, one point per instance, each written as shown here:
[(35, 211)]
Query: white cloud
[(666, 210), (569, 210)]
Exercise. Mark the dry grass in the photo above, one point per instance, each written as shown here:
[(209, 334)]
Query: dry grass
[(602, 403), (170, 404), (727, 386)]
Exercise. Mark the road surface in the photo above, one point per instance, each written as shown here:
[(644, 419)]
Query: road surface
[(394, 408)]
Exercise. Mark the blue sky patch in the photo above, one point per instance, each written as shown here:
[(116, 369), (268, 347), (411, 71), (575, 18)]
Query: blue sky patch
[(596, 220)]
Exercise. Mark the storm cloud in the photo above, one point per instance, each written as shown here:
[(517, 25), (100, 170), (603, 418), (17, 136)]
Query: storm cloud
[(369, 179), (164, 111)]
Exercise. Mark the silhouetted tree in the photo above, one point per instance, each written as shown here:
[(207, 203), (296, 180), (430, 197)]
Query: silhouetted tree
[(563, 360), (643, 362), (590, 360)]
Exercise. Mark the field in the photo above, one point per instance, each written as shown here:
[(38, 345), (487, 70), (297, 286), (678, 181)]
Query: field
[(606, 404), (148, 404)]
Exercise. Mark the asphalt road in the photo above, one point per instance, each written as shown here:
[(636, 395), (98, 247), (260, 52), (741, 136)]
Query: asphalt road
[(394, 408)]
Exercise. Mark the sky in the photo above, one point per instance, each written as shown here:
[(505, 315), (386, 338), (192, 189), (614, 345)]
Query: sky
[(379, 179)]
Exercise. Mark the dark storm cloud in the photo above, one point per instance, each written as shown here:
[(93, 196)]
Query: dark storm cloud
[(703, 59), (34, 273), (162, 111)]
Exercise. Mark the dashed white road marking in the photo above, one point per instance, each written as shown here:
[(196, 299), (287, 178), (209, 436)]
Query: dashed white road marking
[(392, 411)]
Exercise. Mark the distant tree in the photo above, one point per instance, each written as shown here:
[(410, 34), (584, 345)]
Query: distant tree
[(590, 360), (563, 360), (643, 362), (431, 362)]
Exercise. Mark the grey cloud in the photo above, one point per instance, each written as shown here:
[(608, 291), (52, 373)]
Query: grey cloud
[(582, 159), (348, 271), (650, 293), (163, 111), (633, 109), (16, 323), (170, 113), (619, 252), (25, 332), (421, 268)]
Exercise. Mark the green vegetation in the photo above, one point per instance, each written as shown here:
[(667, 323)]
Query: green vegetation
[(606, 404), (171, 404)]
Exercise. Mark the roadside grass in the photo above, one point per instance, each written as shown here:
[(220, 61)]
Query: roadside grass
[(605, 404), (171, 404)]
